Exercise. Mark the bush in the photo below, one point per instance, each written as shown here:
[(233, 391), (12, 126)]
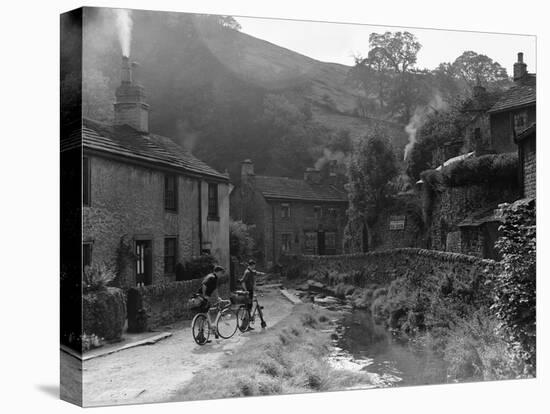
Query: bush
[(195, 268), (97, 277), (104, 313), (483, 169), (515, 288)]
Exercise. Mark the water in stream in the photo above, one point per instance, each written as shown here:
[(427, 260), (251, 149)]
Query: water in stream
[(364, 345)]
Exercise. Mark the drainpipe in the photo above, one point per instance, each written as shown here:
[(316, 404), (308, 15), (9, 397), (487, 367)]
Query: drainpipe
[(200, 217)]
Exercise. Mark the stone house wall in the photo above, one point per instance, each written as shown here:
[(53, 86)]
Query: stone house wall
[(529, 164), (249, 206), (127, 202), (502, 128), (300, 222)]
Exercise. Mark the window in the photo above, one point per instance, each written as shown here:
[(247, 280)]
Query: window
[(213, 201), (86, 254), (170, 244), (286, 241), (333, 212), (170, 193), (330, 241), (317, 212), (285, 210), (86, 187), (310, 244)]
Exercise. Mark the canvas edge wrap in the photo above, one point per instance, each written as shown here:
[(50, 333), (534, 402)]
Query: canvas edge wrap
[(71, 25)]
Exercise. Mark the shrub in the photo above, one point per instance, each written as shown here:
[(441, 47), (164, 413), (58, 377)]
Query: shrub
[(195, 268), (515, 287), (97, 277), (482, 169), (104, 313)]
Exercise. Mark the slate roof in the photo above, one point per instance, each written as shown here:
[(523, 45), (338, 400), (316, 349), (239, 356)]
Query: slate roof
[(292, 189), (123, 140), (522, 94)]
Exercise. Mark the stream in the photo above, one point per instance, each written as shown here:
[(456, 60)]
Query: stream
[(364, 345)]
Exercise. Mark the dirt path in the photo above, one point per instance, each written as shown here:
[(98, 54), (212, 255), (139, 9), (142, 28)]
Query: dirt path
[(148, 374)]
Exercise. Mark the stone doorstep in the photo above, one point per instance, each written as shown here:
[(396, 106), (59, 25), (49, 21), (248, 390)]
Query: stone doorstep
[(147, 341)]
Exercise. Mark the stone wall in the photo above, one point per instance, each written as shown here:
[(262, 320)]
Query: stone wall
[(167, 303), (529, 165), (455, 204), (382, 267), (386, 236)]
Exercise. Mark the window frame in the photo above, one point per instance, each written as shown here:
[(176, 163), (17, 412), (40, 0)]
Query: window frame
[(213, 202), (171, 208), (174, 256), (285, 211), (286, 247), (318, 212)]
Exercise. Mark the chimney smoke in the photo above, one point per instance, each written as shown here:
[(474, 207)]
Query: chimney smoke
[(124, 29)]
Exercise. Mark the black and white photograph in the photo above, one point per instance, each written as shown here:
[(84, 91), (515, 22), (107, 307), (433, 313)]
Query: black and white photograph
[(254, 206), (266, 207)]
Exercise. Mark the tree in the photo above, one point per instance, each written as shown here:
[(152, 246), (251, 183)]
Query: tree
[(472, 68), (387, 74), (371, 169)]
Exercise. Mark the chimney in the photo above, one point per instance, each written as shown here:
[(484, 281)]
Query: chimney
[(332, 174), (312, 176), (130, 106), (520, 68), (247, 171), (479, 90)]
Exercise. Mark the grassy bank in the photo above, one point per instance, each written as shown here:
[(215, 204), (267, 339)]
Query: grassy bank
[(288, 358)]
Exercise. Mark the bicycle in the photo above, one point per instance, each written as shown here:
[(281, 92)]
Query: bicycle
[(245, 318), (225, 323)]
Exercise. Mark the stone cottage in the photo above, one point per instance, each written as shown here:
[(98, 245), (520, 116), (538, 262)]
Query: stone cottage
[(148, 204), (513, 118), (515, 110), (527, 155), (464, 216), (291, 216)]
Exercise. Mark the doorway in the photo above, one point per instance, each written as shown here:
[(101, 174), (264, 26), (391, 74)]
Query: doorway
[(321, 242), (144, 275)]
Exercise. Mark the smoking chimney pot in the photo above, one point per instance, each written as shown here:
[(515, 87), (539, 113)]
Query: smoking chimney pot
[(126, 75), (520, 57)]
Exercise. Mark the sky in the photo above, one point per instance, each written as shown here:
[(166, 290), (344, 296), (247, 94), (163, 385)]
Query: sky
[(337, 42)]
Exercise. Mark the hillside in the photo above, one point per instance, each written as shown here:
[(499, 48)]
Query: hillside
[(224, 94)]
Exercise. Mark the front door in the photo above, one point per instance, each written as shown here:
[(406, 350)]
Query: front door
[(143, 263), (321, 242)]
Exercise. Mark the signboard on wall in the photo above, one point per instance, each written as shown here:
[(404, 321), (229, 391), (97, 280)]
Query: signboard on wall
[(397, 222)]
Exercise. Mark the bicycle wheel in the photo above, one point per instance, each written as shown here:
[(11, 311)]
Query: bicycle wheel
[(227, 323), (201, 328), (243, 318)]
